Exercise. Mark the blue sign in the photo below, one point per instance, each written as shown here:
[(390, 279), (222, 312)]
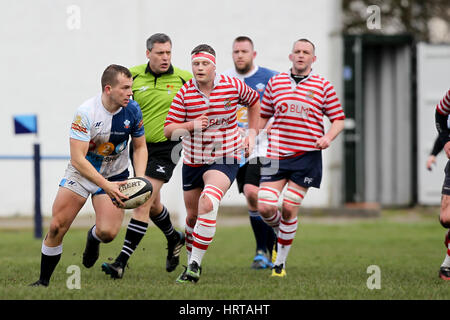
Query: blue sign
[(25, 123)]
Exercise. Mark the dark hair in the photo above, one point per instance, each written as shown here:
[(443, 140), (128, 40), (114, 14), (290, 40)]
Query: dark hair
[(205, 48), (306, 40), (242, 39), (109, 76), (157, 38)]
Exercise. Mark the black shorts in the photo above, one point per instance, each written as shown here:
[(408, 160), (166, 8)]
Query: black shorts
[(249, 173), (162, 159), (446, 186), (305, 170), (193, 176)]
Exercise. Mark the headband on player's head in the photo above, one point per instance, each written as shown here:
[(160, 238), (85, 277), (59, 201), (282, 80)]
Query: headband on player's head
[(204, 55)]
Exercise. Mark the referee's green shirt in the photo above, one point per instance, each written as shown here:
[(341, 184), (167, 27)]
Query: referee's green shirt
[(155, 93)]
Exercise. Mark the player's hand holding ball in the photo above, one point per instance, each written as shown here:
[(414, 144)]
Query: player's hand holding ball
[(133, 193)]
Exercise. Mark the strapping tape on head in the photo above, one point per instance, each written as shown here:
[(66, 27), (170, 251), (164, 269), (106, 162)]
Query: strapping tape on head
[(204, 55)]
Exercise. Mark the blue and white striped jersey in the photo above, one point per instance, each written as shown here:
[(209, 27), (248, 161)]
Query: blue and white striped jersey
[(108, 134)]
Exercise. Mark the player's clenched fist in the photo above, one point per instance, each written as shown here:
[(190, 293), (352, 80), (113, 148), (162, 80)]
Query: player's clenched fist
[(323, 142), (201, 122)]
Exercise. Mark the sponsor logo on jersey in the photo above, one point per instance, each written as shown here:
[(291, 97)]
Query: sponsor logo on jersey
[(260, 87), (160, 169), (126, 124), (98, 124), (141, 123), (310, 95), (77, 125), (121, 146), (169, 88), (227, 104), (143, 88), (293, 108), (105, 149), (241, 114)]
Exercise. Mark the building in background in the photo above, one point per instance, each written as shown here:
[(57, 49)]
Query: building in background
[(54, 52), (388, 60)]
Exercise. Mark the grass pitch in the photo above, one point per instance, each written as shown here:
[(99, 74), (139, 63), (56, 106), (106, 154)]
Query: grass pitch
[(327, 261)]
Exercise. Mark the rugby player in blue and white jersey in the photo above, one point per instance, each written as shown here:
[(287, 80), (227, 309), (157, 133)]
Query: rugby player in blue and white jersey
[(98, 166), (248, 176)]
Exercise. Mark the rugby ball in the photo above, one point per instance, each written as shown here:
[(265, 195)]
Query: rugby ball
[(138, 190)]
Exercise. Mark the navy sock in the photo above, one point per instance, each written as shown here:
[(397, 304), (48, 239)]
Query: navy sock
[(259, 230), (135, 232), (162, 221), (48, 265)]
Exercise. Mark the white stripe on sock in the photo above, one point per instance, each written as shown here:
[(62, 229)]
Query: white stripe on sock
[(51, 251)]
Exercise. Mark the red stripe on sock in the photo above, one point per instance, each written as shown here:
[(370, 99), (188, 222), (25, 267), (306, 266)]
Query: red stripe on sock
[(207, 221), (274, 192), (285, 242), (213, 194), (288, 223), (297, 193), (201, 237), (292, 202), (287, 232), (200, 246), (210, 186)]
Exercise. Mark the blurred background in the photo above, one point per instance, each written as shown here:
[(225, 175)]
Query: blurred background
[(389, 62)]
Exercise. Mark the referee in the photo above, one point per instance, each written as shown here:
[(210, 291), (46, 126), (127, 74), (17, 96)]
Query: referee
[(154, 86)]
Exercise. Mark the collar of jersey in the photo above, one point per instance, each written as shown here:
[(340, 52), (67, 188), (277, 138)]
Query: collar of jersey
[(216, 82), (156, 75), (307, 77)]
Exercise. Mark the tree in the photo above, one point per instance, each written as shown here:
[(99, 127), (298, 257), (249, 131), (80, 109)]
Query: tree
[(425, 20)]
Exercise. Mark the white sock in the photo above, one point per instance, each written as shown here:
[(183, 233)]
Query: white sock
[(188, 230), (274, 221), (203, 235), (446, 262), (286, 236), (94, 234), (51, 251)]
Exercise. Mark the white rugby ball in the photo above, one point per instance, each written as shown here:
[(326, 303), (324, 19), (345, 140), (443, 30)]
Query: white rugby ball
[(138, 190)]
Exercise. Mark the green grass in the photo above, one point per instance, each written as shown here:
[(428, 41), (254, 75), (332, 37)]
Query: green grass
[(327, 261)]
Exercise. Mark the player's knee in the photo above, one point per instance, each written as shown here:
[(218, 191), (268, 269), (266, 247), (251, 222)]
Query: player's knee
[(293, 197), (57, 229), (252, 195), (445, 221), (444, 217), (209, 202), (105, 235), (265, 210), (206, 204), (267, 200)]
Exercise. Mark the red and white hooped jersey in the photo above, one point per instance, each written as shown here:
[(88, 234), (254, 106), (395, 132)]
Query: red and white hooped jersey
[(443, 107), (221, 138), (298, 111)]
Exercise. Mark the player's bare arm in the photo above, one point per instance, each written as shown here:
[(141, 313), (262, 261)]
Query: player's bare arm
[(199, 123), (253, 126), (336, 127), (140, 155), (78, 151)]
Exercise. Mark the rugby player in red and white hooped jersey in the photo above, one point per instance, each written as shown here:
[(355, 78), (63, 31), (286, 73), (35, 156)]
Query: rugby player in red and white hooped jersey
[(203, 113), (442, 114), (297, 100)]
